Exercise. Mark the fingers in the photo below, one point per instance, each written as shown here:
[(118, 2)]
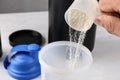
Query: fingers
[(111, 23), (110, 17), (109, 6)]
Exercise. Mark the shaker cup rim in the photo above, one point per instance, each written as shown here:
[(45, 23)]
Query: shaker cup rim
[(61, 43)]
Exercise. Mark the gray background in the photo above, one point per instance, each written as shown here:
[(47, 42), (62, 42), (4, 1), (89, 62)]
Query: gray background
[(8, 6)]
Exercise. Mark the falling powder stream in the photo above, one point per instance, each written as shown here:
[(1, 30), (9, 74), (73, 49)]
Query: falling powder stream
[(78, 21), (74, 54), (80, 17)]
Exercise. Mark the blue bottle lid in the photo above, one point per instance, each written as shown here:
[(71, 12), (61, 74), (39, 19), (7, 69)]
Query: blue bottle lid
[(23, 63)]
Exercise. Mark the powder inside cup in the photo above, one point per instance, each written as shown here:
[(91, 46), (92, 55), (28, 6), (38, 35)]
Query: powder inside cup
[(78, 20)]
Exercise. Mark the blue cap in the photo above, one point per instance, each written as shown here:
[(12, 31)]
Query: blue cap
[(24, 63)]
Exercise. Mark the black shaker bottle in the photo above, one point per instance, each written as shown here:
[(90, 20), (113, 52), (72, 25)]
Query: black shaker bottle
[(59, 29)]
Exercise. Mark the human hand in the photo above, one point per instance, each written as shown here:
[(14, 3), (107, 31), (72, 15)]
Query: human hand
[(110, 16)]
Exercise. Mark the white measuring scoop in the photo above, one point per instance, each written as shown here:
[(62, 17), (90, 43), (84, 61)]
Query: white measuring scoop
[(81, 14)]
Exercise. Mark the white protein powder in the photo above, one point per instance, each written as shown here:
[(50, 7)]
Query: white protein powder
[(79, 20)]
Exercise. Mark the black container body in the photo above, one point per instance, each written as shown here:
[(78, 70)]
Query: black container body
[(59, 29)]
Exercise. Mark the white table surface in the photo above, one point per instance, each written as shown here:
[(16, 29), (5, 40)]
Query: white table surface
[(106, 53)]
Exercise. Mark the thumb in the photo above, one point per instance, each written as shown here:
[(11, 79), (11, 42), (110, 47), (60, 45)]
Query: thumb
[(110, 23)]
